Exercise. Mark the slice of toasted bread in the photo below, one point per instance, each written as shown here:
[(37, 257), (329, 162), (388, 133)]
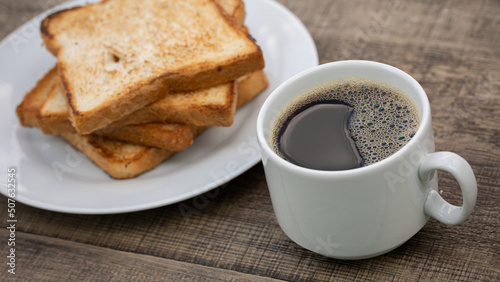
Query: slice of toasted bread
[(235, 9), (177, 136), (206, 107), (214, 106), (115, 57), (172, 136), (123, 160), (120, 160), (53, 119), (27, 110), (248, 87)]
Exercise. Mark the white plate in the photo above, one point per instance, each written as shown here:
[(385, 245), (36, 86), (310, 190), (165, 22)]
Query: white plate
[(52, 175)]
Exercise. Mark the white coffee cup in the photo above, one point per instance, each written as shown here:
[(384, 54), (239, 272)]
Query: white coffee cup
[(367, 211)]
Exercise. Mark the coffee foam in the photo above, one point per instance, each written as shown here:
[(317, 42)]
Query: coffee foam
[(383, 121)]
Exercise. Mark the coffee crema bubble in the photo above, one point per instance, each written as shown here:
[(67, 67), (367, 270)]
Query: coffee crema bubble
[(382, 121)]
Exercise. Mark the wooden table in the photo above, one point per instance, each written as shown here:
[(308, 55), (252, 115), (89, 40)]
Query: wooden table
[(451, 47)]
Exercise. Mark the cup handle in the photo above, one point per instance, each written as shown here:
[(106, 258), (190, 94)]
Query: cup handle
[(435, 205)]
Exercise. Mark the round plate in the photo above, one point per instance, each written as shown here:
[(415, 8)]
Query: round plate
[(53, 175)]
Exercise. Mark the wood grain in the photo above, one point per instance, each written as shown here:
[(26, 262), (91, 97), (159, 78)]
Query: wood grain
[(230, 233), (81, 262)]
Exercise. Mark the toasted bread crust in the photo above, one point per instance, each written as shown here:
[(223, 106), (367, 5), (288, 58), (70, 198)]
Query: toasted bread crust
[(213, 106), (173, 137), (234, 9), (188, 107), (86, 122), (120, 160), (47, 36), (158, 141), (27, 111), (51, 121), (239, 12), (249, 86), (144, 90), (166, 110)]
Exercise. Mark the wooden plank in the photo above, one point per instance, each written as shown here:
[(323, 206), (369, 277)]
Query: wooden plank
[(41, 258)]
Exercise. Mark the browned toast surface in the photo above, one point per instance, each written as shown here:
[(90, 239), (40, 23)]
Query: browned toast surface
[(115, 57), (53, 119), (214, 106), (27, 110), (248, 87), (126, 160), (235, 9), (172, 136), (135, 81), (120, 160)]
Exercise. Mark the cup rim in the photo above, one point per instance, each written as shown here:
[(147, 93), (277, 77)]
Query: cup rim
[(424, 122)]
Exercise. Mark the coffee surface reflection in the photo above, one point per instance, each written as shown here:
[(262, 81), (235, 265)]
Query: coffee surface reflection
[(345, 124)]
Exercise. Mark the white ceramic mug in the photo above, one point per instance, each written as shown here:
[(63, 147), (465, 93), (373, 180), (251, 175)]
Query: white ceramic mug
[(367, 211)]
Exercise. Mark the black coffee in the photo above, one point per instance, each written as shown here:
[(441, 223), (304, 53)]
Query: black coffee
[(345, 124)]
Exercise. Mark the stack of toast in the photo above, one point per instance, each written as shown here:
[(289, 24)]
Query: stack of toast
[(136, 81)]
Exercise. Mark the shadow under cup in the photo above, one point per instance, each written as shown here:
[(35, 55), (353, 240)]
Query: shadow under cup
[(357, 213)]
